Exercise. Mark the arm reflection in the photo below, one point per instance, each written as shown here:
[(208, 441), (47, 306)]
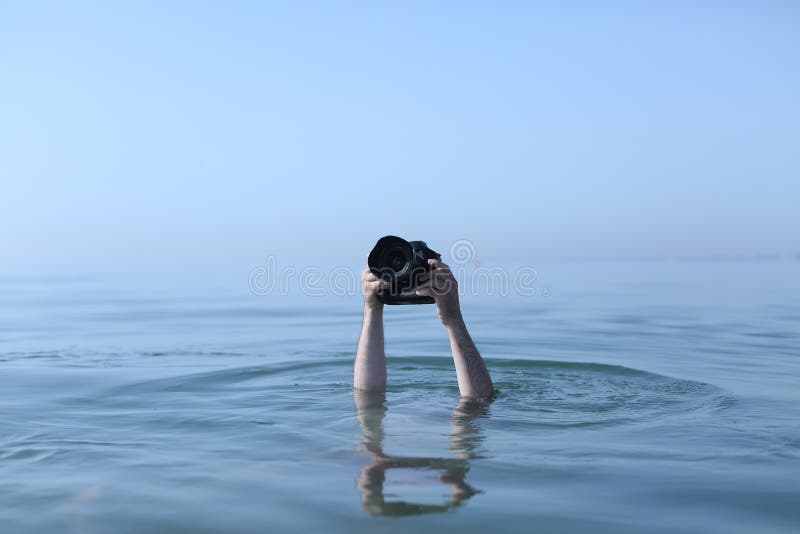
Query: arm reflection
[(466, 437)]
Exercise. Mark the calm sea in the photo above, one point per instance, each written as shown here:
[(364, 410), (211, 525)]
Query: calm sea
[(659, 397)]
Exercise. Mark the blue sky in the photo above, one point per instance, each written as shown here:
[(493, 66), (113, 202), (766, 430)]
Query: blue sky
[(169, 133)]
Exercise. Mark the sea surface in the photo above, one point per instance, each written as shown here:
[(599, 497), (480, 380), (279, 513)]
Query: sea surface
[(631, 397)]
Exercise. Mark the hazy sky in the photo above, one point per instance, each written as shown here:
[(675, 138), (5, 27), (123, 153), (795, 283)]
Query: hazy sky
[(220, 132)]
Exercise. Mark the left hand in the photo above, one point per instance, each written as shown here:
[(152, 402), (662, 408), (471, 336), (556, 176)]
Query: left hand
[(370, 285)]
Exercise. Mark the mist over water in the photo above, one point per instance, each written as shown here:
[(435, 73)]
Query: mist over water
[(657, 396), (144, 135)]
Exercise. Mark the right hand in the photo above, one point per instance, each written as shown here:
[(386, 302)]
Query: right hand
[(443, 287), (370, 284)]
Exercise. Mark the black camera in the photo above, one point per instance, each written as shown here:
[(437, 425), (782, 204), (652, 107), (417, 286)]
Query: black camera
[(401, 263)]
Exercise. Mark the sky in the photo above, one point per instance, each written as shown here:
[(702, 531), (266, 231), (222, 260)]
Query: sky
[(217, 133)]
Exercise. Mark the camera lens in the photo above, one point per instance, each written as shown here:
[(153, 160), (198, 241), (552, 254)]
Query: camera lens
[(396, 260), (392, 256)]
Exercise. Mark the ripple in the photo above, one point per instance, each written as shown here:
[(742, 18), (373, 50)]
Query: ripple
[(529, 392), (564, 394)]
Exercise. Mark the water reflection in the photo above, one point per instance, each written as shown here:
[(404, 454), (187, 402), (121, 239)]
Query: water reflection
[(466, 437)]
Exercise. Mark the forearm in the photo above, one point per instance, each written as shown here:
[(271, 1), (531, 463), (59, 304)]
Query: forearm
[(369, 371), (473, 377)]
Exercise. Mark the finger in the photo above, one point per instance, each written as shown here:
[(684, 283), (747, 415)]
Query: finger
[(425, 291), (440, 276), (437, 264), (443, 284), (378, 284)]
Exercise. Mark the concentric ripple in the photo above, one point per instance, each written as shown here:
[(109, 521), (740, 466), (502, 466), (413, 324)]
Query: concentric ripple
[(545, 393)]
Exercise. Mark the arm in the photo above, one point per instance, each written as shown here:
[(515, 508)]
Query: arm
[(473, 377), (369, 370)]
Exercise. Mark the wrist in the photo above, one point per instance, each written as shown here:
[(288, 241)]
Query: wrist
[(373, 308), (453, 320)]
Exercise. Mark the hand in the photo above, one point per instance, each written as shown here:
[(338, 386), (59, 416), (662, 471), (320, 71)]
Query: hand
[(443, 287), (370, 284)]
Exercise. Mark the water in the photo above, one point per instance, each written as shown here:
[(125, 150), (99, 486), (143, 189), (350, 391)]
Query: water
[(658, 396)]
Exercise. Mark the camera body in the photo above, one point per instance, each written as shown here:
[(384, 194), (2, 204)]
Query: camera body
[(401, 263)]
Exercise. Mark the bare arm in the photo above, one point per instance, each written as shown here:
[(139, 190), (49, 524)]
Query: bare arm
[(473, 377), (369, 370)]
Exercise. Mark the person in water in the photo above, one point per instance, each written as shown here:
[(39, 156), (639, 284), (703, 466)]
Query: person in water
[(369, 371)]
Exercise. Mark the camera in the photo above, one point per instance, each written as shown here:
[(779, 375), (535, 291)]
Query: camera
[(401, 263)]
